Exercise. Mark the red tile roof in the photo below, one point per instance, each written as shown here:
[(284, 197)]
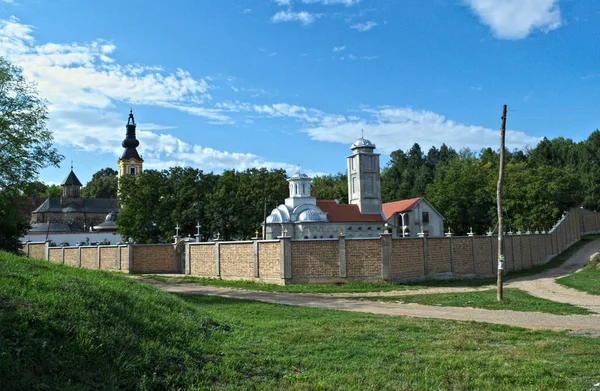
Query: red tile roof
[(337, 213), (390, 208)]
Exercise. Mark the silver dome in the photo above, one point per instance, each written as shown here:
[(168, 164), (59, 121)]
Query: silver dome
[(362, 143), (310, 215), (299, 175)]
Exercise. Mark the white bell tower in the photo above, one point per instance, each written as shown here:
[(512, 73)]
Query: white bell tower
[(364, 184)]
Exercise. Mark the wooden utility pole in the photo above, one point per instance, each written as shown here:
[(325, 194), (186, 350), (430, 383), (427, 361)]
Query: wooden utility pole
[(499, 197)]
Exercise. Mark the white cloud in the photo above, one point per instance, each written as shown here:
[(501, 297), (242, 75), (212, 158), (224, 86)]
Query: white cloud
[(306, 18), (393, 128), (367, 58), (287, 3), (13, 2), (339, 48), (516, 19), (247, 11), (362, 27)]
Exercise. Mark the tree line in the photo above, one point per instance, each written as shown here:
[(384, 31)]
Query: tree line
[(540, 184)]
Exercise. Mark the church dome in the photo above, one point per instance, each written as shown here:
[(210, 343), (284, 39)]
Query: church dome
[(281, 214), (112, 216), (310, 215), (362, 143), (299, 175)]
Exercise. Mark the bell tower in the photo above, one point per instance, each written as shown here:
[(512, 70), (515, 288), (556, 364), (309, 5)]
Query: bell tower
[(130, 162), (364, 186)]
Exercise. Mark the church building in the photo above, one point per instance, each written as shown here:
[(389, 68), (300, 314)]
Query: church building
[(72, 213), (305, 217)]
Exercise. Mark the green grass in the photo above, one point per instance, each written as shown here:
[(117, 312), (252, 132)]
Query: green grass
[(374, 286), (513, 299), (349, 287), (587, 280), (64, 328)]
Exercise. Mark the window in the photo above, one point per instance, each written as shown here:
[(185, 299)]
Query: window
[(354, 184), (352, 164), (132, 170), (369, 162), (425, 217), (303, 188), (370, 185)]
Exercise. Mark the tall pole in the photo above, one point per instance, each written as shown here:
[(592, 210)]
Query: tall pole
[(499, 197)]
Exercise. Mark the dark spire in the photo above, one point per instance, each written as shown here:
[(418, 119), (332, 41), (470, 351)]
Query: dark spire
[(130, 143), (71, 185)]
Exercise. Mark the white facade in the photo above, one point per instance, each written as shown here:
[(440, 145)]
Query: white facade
[(364, 185), (422, 215)]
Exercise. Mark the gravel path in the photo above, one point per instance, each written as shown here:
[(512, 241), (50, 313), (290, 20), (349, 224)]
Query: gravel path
[(541, 285)]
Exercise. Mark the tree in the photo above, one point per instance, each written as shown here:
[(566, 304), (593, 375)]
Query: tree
[(40, 189), (25, 148), (331, 187), (103, 185)]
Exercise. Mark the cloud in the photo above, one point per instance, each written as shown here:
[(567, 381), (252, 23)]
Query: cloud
[(367, 58), (362, 27), (516, 19), (306, 18), (393, 128), (347, 3), (287, 3), (339, 48)]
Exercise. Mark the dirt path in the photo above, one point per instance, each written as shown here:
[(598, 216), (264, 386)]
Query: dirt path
[(540, 285), (586, 324)]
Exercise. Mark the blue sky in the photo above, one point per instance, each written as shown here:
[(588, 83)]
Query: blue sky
[(281, 83)]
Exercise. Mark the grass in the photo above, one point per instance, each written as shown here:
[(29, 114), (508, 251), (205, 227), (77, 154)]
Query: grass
[(375, 286), (74, 329), (587, 279), (349, 287), (514, 299)]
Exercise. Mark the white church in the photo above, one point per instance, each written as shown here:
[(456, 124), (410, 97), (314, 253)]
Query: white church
[(302, 216)]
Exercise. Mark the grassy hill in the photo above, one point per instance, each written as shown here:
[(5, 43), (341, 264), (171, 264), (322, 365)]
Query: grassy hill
[(64, 328), (67, 328)]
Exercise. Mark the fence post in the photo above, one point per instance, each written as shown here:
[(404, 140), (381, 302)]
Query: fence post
[(119, 257), (474, 255), (47, 250), (386, 255), (129, 256), (285, 256), (27, 249), (256, 258), (186, 266), (342, 252), (63, 254), (79, 256), (98, 255), (218, 258)]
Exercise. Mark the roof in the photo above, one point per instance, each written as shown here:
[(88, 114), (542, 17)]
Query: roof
[(362, 143), (389, 208), (90, 205), (55, 227), (338, 213), (71, 179)]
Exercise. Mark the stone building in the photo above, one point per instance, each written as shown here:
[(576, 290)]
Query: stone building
[(305, 217), (72, 213)]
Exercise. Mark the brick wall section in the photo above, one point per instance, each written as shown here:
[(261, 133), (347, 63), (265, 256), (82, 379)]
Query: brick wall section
[(407, 258), (89, 257), (124, 257), (590, 221), (158, 258), (269, 260), (315, 258), (482, 255), (363, 257), (438, 255), (508, 255), (517, 251), (237, 260), (463, 255), (55, 254), (203, 260), (37, 250), (71, 256), (108, 257), (535, 249)]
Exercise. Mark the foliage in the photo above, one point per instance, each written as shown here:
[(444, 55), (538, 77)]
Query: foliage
[(331, 187), (121, 334), (25, 148), (231, 205), (103, 185), (40, 189)]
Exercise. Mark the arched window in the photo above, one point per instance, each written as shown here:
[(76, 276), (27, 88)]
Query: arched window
[(303, 188), (132, 170)]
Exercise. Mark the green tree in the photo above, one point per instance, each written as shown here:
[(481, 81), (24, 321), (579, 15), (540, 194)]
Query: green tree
[(40, 189), (331, 187), (25, 148), (103, 185)]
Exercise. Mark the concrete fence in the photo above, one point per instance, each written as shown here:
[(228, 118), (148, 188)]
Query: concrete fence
[(287, 261)]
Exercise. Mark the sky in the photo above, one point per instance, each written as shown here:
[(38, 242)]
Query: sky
[(235, 84)]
